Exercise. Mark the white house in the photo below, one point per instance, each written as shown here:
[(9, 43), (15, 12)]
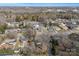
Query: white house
[(13, 24), (12, 30)]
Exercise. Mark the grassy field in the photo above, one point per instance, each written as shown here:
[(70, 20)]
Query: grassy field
[(6, 51)]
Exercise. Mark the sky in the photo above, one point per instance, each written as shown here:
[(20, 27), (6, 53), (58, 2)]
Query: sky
[(41, 4)]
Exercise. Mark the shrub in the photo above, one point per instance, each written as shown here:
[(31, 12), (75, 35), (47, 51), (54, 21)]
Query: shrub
[(3, 28), (74, 36)]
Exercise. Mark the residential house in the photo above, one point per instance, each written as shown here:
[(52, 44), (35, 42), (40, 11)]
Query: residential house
[(13, 24), (16, 30)]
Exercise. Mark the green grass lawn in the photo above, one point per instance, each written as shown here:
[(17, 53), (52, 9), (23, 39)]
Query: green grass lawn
[(4, 51)]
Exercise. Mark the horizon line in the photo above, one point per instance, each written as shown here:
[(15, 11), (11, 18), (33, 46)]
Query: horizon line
[(40, 4)]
